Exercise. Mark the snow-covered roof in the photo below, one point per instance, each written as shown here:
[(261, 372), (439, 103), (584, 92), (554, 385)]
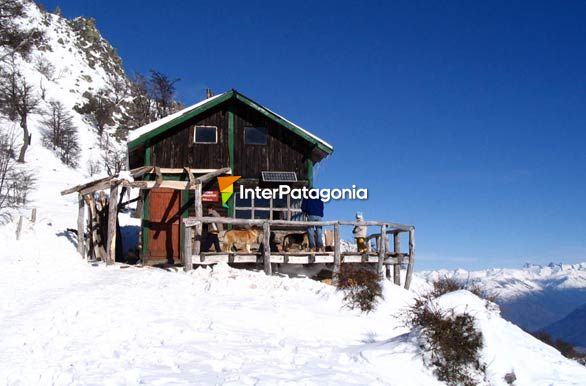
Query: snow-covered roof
[(134, 134), (144, 131)]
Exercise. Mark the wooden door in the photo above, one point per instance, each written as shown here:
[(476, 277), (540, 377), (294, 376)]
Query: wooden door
[(164, 230)]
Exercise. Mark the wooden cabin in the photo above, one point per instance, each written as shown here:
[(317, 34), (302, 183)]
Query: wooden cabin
[(228, 130), (174, 163)]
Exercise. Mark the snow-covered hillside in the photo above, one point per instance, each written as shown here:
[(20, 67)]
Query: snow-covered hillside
[(67, 322), (534, 296), (72, 64)]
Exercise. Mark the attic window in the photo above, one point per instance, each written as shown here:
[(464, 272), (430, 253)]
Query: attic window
[(255, 135), (206, 134)]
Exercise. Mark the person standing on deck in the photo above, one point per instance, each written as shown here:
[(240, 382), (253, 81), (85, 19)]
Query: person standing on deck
[(214, 230), (313, 209), (359, 233)]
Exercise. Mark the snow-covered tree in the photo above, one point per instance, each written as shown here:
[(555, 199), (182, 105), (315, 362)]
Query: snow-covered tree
[(17, 101), (60, 134)]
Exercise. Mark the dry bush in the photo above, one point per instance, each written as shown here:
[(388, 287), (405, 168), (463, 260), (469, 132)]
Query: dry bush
[(45, 67), (93, 167), (361, 286), (16, 181), (445, 284), (451, 342)]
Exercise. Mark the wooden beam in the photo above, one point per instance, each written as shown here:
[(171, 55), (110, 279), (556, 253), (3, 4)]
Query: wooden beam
[(34, 215), (187, 250), (81, 187), (96, 241), (266, 235), (397, 251), (381, 251), (209, 176), (112, 217), (190, 221), (80, 226), (337, 255), (107, 182), (411, 258), (198, 212), (158, 176), (190, 176)]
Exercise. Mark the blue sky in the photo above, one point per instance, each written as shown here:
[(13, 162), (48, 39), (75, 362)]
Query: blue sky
[(466, 119)]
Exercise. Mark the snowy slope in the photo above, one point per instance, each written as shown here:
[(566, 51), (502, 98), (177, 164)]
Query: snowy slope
[(83, 63), (64, 322), (532, 297)]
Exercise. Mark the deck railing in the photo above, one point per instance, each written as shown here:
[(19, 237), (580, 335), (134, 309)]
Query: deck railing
[(383, 258)]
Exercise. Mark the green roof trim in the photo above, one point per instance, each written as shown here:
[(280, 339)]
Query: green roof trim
[(283, 122), (232, 94)]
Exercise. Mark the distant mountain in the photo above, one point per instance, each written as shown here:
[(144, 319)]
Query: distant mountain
[(572, 328), (532, 297)]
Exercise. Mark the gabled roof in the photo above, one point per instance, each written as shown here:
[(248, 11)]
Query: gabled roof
[(153, 129)]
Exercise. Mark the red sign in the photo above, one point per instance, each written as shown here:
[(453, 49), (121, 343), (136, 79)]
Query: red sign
[(210, 196)]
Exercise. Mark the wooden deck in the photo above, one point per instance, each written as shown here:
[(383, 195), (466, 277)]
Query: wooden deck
[(296, 258), (384, 257)]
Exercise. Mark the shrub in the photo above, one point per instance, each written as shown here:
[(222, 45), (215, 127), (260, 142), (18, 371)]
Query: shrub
[(16, 181), (451, 342), (361, 286), (510, 378), (45, 67), (446, 284)]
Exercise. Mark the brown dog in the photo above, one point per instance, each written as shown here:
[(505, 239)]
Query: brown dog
[(241, 239), (295, 241)]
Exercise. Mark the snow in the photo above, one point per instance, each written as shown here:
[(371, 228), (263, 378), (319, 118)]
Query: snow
[(134, 134), (508, 348), (66, 322), (532, 297)]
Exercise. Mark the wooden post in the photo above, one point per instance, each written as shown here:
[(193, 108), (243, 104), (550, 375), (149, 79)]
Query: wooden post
[(337, 255), (397, 250), (187, 250), (19, 228), (34, 215), (112, 217), (411, 258), (266, 235), (199, 225), (381, 251), (97, 244), (80, 227)]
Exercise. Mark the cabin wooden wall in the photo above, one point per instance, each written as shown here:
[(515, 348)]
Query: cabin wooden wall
[(284, 150), (176, 148)]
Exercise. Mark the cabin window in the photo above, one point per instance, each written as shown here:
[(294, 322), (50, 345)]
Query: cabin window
[(255, 135), (206, 134), (286, 208)]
